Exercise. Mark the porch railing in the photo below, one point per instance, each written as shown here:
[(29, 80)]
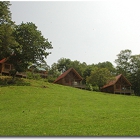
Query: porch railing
[(124, 91), (79, 85)]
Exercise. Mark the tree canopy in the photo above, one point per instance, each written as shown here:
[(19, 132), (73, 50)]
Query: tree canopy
[(7, 40), (123, 62), (129, 66), (31, 47), (99, 77)]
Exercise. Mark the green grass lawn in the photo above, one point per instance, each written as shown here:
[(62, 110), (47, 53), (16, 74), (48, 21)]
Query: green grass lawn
[(64, 111)]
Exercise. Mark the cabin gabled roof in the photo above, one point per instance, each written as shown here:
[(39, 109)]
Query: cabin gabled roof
[(66, 72), (113, 82), (3, 60), (37, 67)]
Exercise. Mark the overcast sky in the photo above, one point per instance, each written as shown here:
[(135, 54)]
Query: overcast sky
[(87, 31)]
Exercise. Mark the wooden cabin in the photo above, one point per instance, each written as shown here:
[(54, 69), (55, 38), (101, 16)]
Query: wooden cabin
[(119, 85), (70, 78), (38, 70), (5, 67)]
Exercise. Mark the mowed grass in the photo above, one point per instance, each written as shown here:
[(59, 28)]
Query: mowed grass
[(64, 111)]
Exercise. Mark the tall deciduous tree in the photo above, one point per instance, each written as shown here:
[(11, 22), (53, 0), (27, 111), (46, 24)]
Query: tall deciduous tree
[(6, 30), (63, 64), (32, 46), (129, 66), (87, 71), (99, 77), (53, 72), (123, 62), (107, 65), (135, 73)]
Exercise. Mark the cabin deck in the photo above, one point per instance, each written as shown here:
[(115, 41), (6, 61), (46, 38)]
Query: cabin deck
[(81, 86), (124, 91)]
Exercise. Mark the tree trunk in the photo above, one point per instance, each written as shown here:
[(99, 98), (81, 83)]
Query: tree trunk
[(13, 74), (13, 77)]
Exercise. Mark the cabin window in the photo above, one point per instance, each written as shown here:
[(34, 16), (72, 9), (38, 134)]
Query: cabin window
[(7, 66), (123, 88), (75, 83)]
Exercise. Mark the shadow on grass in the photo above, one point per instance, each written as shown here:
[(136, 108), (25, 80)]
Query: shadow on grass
[(7, 81)]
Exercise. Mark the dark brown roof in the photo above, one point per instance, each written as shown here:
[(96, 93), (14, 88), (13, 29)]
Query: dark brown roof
[(66, 72), (113, 82)]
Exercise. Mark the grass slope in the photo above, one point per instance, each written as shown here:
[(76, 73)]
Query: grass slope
[(64, 111)]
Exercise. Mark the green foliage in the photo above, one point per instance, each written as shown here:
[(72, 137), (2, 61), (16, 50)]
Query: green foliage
[(31, 75), (129, 66), (53, 73), (51, 78), (135, 73), (5, 14), (57, 110), (107, 65), (32, 44), (89, 87), (95, 88), (7, 41), (123, 62), (63, 64), (99, 77), (4, 80), (92, 88), (7, 81), (87, 72), (31, 49)]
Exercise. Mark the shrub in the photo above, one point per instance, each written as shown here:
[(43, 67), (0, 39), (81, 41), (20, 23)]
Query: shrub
[(89, 87), (51, 79), (7, 80), (92, 88), (31, 75), (95, 88), (4, 80)]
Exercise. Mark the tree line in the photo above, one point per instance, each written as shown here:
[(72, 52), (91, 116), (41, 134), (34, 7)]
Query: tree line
[(97, 75)]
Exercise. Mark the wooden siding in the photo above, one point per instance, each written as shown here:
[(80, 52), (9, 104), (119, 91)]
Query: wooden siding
[(119, 85), (70, 78), (5, 69)]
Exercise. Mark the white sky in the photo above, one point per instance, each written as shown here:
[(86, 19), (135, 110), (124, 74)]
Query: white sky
[(87, 31)]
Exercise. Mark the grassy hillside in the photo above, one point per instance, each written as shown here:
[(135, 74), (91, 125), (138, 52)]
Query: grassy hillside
[(44, 109)]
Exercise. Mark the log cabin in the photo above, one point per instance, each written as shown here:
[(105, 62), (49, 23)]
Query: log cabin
[(38, 70), (6, 67), (70, 78), (119, 85)]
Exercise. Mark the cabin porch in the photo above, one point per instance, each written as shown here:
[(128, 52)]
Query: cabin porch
[(124, 91), (78, 85)]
